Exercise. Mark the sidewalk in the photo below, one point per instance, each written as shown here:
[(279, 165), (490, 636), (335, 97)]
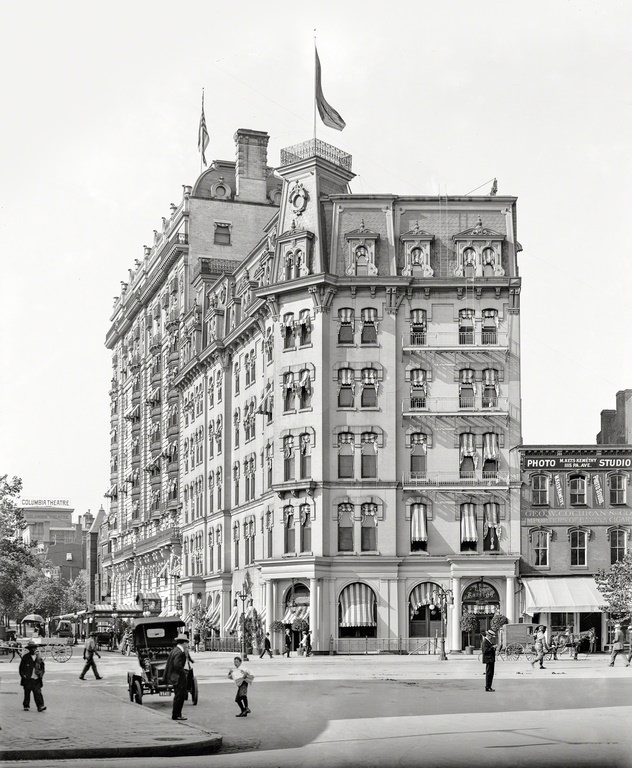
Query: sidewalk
[(88, 720)]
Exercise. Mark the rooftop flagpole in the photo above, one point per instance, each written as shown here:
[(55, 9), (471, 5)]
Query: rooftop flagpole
[(315, 76)]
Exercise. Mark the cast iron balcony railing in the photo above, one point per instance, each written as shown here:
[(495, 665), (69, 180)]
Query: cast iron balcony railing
[(315, 148)]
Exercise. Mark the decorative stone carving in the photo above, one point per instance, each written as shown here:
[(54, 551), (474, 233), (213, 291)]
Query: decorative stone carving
[(361, 244), (479, 252), (416, 244)]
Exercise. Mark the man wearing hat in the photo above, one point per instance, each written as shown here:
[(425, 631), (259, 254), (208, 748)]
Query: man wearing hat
[(31, 674), (176, 675), (488, 649), (617, 643)]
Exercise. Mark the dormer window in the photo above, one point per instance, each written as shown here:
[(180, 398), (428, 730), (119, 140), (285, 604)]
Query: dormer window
[(361, 245), (479, 252), (417, 245)]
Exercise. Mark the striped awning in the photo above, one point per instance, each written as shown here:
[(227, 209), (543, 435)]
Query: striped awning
[(422, 594), (295, 614), (418, 528), (262, 615), (233, 621), (490, 446), (357, 602), (213, 615), (468, 522)]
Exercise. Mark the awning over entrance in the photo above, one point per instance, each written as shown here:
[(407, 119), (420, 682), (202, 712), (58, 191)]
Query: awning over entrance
[(422, 594), (212, 615), (358, 606), (295, 614), (563, 595)]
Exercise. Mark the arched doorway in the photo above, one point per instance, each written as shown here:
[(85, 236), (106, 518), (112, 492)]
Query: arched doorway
[(296, 611), (424, 621), (482, 601), (357, 611)]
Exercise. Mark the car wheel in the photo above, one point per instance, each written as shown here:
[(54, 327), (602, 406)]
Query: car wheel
[(194, 691), (138, 692)]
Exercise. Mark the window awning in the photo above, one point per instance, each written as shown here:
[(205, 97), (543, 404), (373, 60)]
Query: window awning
[(468, 523), (418, 528), (148, 596), (231, 624), (574, 593), (422, 594), (358, 606), (295, 614)]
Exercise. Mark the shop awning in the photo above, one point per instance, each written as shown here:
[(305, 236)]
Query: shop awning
[(358, 606), (562, 595), (231, 624), (295, 614), (169, 612), (148, 596)]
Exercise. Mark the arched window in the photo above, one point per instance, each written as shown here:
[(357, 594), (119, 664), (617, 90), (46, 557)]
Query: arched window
[(418, 388), (578, 538), (577, 485), (491, 456), (539, 541), (369, 326), (617, 486), (418, 451), (305, 388), (357, 611), (288, 458), (467, 388), (618, 538), (418, 327), (490, 327), (305, 323), (539, 490), (369, 388), (306, 455), (466, 326), (418, 527), (491, 527), (288, 331), (468, 457)]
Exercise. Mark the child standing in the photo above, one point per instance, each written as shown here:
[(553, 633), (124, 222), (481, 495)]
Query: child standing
[(241, 676)]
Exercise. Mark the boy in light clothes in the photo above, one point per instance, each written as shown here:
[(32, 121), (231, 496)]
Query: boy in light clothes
[(241, 676)]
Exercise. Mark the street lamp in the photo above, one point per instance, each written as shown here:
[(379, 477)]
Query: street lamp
[(441, 598), (243, 595)]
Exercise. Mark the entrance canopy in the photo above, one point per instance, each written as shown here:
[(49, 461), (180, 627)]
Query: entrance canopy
[(357, 602), (297, 613), (563, 595)]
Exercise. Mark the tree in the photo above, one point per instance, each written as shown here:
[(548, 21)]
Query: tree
[(11, 518), (469, 622), (616, 587)]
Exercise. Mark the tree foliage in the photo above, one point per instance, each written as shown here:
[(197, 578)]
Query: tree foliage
[(11, 518), (615, 585)]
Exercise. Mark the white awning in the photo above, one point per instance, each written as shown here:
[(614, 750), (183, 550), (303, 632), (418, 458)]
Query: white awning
[(422, 594), (562, 595), (213, 615), (418, 527), (358, 606)]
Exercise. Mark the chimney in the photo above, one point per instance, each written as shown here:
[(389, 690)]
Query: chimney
[(251, 148)]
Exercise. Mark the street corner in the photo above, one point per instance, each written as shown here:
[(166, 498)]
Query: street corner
[(89, 720)]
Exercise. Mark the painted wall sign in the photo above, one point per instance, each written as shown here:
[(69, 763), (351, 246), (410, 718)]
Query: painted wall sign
[(577, 462), (544, 516), (44, 503)]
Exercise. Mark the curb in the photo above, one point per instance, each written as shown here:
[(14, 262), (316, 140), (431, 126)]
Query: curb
[(203, 746)]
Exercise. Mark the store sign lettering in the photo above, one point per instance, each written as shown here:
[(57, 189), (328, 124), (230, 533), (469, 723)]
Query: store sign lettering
[(577, 462), (558, 490)]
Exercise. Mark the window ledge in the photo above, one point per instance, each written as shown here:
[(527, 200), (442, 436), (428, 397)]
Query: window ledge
[(306, 346), (305, 410), (287, 555)]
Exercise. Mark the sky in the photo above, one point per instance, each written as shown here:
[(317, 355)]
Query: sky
[(101, 106)]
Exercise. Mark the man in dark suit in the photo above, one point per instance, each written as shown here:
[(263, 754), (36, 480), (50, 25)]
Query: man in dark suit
[(176, 675), (488, 649), (267, 648), (31, 673)]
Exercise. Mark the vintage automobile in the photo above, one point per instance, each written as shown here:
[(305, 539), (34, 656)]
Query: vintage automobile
[(153, 640)]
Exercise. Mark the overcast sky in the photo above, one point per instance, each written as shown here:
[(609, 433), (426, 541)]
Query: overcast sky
[(101, 104)]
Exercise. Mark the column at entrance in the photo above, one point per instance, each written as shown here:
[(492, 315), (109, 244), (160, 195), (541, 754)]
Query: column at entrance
[(510, 599), (455, 645), (269, 603), (314, 612)]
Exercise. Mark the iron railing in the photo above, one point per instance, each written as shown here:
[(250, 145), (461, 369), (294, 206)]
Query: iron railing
[(315, 148)]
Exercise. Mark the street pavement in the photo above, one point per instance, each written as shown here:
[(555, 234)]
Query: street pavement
[(335, 711)]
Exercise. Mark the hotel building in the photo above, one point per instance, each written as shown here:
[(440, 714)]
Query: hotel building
[(316, 399)]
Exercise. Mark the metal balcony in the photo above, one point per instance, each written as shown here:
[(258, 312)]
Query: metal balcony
[(455, 406), (455, 480), (454, 340)]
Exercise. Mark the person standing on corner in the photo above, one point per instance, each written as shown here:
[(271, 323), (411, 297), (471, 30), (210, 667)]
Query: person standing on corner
[(288, 643), (31, 671), (88, 654), (176, 675), (617, 644), (266, 646), (488, 649)]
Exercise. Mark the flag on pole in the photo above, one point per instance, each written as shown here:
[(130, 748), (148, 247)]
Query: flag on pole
[(328, 114), (202, 133)]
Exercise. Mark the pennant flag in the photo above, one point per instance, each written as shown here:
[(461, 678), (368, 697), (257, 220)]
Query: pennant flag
[(328, 114), (202, 133)]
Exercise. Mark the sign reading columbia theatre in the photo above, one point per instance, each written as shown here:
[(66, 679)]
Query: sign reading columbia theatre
[(560, 508)]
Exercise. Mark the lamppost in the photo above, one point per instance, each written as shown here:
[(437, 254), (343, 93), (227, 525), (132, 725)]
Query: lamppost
[(441, 598), (243, 595)]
